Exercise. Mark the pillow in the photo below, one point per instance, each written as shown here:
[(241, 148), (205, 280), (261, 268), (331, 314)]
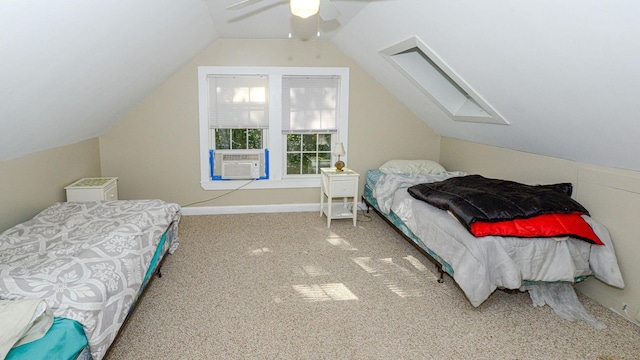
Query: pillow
[(545, 225), (407, 167)]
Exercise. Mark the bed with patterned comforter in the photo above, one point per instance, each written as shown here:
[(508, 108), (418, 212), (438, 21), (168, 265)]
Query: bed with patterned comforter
[(87, 260)]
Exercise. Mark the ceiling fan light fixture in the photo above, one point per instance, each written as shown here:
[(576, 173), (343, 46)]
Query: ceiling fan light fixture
[(304, 8)]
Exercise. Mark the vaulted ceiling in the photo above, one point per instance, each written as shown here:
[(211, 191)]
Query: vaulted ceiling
[(564, 74)]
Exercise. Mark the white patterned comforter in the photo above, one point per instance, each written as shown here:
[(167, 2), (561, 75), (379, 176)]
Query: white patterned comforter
[(86, 259)]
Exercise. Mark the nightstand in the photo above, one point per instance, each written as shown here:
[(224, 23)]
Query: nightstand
[(93, 189), (339, 184)]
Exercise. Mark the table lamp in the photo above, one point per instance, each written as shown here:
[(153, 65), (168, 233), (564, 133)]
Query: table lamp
[(338, 150)]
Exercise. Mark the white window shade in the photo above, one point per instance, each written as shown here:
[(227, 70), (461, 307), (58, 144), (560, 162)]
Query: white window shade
[(310, 104), (240, 101)]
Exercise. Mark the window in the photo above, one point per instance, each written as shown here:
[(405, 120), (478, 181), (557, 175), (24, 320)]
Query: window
[(309, 121), (307, 153), (238, 111), (415, 60), (227, 139), (295, 115), (237, 116)]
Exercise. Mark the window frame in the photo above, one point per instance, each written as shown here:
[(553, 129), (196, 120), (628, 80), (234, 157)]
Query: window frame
[(274, 137)]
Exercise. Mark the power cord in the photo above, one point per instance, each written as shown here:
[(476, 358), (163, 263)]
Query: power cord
[(366, 217), (221, 195)]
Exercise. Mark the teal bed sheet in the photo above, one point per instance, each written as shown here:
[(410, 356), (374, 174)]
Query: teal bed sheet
[(65, 340)]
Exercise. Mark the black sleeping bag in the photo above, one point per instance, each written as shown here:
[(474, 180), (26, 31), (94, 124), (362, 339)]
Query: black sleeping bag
[(476, 198)]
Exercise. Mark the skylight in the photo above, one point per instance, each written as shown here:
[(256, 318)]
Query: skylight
[(436, 79)]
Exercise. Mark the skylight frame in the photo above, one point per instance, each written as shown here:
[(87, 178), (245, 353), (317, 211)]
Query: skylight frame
[(433, 77)]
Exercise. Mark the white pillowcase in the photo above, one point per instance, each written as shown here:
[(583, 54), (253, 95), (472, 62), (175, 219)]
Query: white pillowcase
[(406, 167)]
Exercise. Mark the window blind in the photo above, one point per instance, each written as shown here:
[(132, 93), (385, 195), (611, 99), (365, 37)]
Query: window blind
[(310, 104), (238, 101)]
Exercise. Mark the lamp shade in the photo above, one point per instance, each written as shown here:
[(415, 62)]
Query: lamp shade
[(304, 8)]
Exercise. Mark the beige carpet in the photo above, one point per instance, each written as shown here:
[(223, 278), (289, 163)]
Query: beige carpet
[(284, 286)]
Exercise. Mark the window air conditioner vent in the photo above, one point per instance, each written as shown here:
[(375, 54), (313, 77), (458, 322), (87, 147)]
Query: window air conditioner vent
[(239, 164)]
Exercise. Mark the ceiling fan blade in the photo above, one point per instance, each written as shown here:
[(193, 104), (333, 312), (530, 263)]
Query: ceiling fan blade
[(242, 4), (328, 11)]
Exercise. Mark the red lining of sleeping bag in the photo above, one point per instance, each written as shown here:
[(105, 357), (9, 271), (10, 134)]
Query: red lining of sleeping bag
[(545, 225)]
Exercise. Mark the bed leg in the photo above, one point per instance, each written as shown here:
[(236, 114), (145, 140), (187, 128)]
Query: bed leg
[(159, 273), (441, 272), (366, 203)]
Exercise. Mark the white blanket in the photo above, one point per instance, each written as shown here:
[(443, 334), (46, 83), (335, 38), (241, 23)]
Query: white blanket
[(23, 321)]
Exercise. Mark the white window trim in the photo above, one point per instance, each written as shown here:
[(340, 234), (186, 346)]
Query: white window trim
[(438, 81), (276, 145)]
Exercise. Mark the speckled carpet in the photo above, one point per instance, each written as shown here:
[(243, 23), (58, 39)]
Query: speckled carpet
[(284, 286)]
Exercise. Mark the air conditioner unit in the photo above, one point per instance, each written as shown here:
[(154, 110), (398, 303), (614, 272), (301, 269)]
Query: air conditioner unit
[(239, 164)]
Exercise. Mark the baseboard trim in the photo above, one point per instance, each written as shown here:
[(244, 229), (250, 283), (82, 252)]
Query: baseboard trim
[(252, 209), (249, 209)]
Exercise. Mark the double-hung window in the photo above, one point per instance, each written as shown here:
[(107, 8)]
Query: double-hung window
[(309, 122), (238, 115), (238, 111), (292, 116)]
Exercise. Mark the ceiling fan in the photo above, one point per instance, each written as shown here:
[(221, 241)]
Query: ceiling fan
[(301, 8)]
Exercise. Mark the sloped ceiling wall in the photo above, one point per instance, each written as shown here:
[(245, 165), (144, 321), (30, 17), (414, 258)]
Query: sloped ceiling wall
[(565, 74), (69, 69)]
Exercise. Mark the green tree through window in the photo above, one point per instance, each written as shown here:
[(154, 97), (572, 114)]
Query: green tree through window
[(307, 153), (226, 139)]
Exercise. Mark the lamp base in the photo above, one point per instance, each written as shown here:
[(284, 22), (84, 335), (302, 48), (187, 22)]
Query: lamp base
[(339, 165)]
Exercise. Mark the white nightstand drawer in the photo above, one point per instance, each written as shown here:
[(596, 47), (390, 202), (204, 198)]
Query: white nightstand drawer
[(344, 187), (111, 193)]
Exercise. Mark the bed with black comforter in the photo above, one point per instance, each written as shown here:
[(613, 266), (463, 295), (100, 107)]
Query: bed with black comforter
[(492, 233)]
